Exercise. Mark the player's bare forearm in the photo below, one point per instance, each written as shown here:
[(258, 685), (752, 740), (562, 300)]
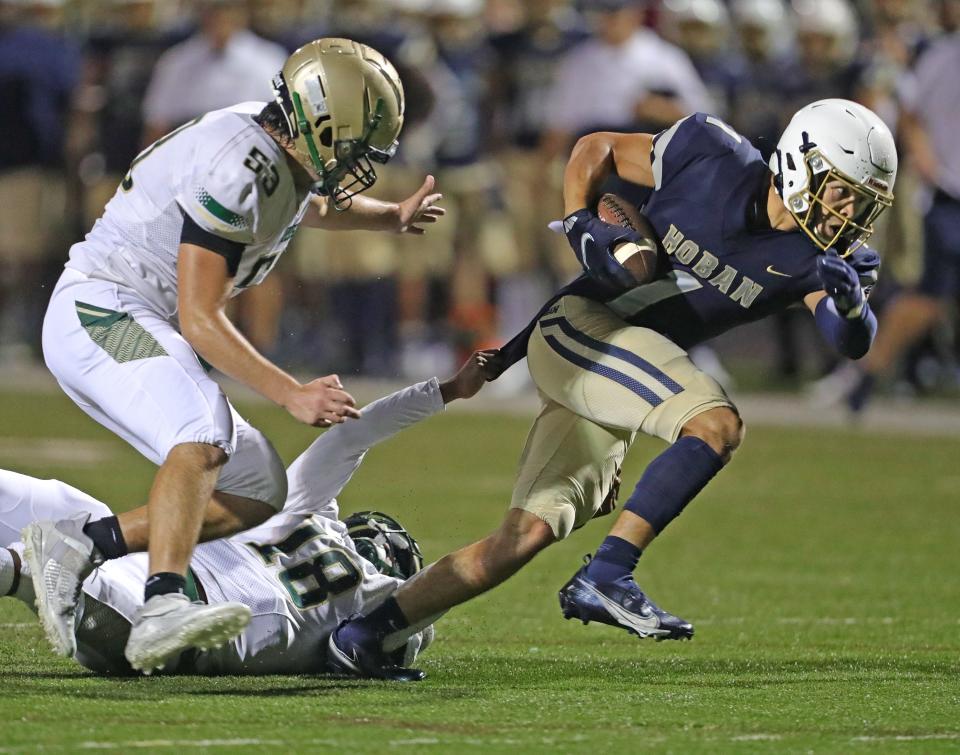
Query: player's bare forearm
[(469, 378), (597, 156), (590, 163), (204, 287), (368, 214), (364, 214), (321, 403), (218, 341), (203, 291)]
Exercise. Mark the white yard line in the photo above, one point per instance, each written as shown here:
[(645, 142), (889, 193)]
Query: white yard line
[(14, 450), (847, 620), (825, 620), (414, 742), (411, 742), (149, 743), (907, 737), (202, 743)]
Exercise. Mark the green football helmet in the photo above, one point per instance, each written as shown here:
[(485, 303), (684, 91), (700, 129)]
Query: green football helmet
[(383, 541), (343, 102)]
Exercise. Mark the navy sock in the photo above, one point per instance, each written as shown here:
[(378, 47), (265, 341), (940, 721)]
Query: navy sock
[(107, 537), (615, 558), (672, 480), (385, 618), (164, 583)]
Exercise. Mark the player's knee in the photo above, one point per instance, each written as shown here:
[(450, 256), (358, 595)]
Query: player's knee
[(721, 429), (272, 488), (204, 456), (228, 514), (255, 471), (256, 513), (520, 537)]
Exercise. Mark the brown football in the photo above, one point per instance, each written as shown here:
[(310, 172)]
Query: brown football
[(641, 260)]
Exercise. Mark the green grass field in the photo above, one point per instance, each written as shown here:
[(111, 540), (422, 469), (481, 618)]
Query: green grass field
[(820, 571)]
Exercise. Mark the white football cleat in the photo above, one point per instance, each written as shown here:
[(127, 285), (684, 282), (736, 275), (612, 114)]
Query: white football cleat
[(833, 388), (166, 625), (60, 557)]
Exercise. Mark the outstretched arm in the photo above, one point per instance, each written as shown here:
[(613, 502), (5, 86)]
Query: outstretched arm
[(369, 214), (205, 282), (322, 471)]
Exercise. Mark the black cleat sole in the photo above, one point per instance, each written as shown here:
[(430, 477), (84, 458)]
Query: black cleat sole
[(341, 664)]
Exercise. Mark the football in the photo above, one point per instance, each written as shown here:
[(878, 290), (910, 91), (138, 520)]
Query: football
[(642, 260)]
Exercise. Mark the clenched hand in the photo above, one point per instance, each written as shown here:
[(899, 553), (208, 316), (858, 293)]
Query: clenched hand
[(321, 402)]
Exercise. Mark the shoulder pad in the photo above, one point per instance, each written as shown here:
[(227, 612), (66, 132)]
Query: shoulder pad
[(696, 137), (224, 193)]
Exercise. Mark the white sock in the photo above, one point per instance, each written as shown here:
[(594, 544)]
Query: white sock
[(6, 571)]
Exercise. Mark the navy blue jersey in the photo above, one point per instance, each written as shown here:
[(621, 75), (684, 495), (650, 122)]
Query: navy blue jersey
[(727, 266)]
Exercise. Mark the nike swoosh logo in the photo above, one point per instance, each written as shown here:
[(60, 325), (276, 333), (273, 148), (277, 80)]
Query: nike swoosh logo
[(583, 247), (777, 272), (645, 626), (351, 661)]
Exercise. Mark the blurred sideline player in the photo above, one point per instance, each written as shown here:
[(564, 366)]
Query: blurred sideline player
[(741, 240), (299, 573), (931, 106), (138, 315)]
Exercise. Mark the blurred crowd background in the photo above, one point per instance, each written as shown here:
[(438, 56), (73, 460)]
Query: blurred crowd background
[(497, 92)]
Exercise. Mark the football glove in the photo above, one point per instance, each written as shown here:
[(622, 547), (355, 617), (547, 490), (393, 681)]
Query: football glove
[(593, 242), (867, 264), (841, 281)]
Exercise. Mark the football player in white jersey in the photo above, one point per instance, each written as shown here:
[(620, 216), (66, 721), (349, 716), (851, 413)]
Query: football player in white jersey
[(299, 573), (138, 316)]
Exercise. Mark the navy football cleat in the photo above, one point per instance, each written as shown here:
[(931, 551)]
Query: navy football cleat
[(350, 653), (620, 604)]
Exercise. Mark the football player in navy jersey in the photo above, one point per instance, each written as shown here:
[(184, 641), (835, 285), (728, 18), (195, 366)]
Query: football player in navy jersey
[(743, 239)]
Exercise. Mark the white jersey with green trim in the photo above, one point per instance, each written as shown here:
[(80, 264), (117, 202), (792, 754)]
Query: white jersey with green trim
[(299, 572), (300, 577), (223, 171)]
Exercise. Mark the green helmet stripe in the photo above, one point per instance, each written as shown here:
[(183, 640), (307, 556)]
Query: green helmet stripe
[(303, 125)]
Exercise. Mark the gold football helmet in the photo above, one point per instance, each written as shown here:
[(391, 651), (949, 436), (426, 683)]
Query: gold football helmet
[(343, 102)]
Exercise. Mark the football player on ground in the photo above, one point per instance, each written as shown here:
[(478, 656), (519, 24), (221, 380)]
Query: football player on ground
[(298, 574), (138, 316), (741, 240)]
